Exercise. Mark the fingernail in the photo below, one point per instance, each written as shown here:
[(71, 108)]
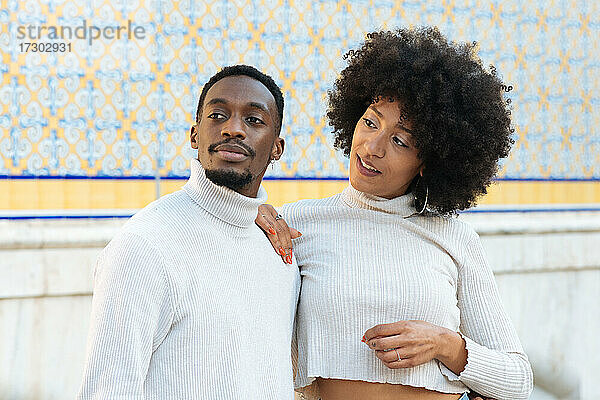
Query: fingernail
[(299, 233), (291, 253), (272, 231), (281, 251), (289, 259)]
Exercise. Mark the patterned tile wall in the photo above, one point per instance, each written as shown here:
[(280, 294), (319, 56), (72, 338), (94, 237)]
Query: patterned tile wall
[(123, 106)]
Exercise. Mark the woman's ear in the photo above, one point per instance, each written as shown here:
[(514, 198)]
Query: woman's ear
[(194, 136)]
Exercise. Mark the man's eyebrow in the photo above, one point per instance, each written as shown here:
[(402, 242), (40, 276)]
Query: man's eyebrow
[(216, 100), (260, 106)]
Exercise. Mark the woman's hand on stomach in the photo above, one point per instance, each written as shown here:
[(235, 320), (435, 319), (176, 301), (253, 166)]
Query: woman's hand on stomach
[(277, 231), (406, 344)]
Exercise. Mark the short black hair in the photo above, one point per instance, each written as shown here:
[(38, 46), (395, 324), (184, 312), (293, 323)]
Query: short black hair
[(460, 121), (247, 70)]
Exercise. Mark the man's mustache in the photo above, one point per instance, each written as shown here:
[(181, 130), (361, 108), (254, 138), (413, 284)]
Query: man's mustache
[(212, 148)]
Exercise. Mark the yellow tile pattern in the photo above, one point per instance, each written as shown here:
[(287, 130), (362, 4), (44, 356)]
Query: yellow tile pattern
[(25, 194)]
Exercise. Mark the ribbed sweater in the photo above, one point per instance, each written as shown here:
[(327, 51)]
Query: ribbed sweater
[(363, 264), (191, 302)]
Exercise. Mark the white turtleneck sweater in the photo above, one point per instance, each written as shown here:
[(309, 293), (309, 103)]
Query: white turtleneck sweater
[(363, 264), (191, 302)]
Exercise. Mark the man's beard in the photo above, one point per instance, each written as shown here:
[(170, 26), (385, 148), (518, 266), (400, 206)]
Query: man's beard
[(229, 178)]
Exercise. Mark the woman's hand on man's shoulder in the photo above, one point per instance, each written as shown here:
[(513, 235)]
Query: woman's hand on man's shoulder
[(277, 231)]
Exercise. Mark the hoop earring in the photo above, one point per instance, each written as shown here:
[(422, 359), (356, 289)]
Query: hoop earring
[(426, 198), (415, 197)]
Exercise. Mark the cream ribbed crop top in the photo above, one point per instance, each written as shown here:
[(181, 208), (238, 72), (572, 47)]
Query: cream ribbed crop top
[(363, 264)]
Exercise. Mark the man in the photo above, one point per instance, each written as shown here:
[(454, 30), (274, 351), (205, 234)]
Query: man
[(190, 300)]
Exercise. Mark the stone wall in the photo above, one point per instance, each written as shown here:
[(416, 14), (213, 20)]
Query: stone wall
[(547, 267)]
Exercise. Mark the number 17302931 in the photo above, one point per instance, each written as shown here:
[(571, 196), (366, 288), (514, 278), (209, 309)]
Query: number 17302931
[(44, 47)]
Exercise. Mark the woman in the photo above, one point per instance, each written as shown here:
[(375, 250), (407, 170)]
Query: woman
[(397, 299)]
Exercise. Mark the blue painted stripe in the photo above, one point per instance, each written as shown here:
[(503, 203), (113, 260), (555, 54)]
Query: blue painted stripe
[(267, 178), (305, 178), (79, 177), (22, 217), (531, 210), (551, 179), (275, 178), (507, 210)]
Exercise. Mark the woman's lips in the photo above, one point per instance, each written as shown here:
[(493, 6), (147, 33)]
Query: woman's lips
[(363, 170)]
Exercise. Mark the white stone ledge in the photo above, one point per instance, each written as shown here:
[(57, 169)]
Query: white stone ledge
[(47, 234), (69, 233), (533, 222), (28, 273), (542, 252), (54, 258)]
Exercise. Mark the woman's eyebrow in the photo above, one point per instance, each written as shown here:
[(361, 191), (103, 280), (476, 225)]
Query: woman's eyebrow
[(398, 124), (404, 128), (376, 111)]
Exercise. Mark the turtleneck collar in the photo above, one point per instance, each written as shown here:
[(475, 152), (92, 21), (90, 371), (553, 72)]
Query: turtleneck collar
[(401, 205), (224, 203)]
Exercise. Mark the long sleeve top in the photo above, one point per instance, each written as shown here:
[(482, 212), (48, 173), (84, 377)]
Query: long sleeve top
[(177, 313), (363, 264)]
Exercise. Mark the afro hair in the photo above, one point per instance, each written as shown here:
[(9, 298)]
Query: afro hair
[(460, 121)]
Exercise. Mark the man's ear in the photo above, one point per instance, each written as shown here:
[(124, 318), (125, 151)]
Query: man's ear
[(278, 148), (421, 169), (194, 136)]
